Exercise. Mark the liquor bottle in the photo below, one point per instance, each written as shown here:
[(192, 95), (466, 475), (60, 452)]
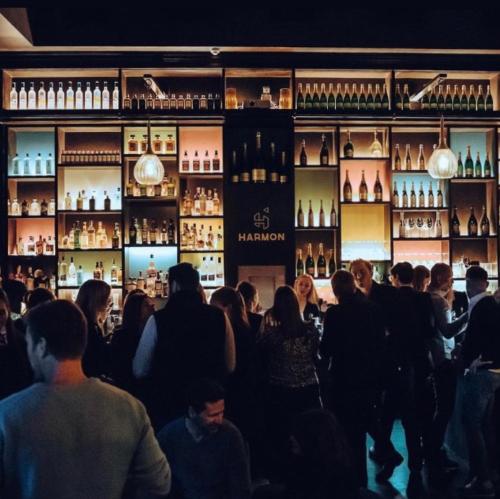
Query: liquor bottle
[(469, 165), (115, 239), (308, 98), (385, 98), (395, 196), (216, 162), (24, 208), (321, 215), (455, 223), (430, 196), (196, 162), (79, 276), (303, 154), (438, 225), (354, 98), (84, 237), (399, 98), (413, 196), (333, 215), (489, 99), (259, 168), (70, 97), (377, 189), (347, 189), (348, 147), (63, 269), (206, 162), (406, 98), (397, 159), (370, 102), (363, 189), (433, 105), (23, 98), (27, 165), (245, 167), (478, 169), (310, 216), (42, 97), (323, 100), (421, 196), (88, 96), (299, 267), (331, 98), (104, 96), (332, 266), (283, 169), (79, 202), (339, 101), (440, 99), (460, 166), (321, 263), (273, 165), (347, 97), (404, 196), (485, 224), (440, 199), (408, 162), (310, 269), (324, 154), (377, 101), (141, 283), (116, 96), (107, 202), (300, 99), (235, 176), (487, 166), (472, 99), (39, 246), (97, 272), (480, 99), (448, 100), (421, 158), (14, 97), (79, 96), (362, 98), (38, 165), (300, 215), (456, 99), (472, 224), (44, 208), (132, 231), (51, 97), (171, 232)]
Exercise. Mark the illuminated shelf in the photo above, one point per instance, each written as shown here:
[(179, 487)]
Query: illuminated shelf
[(31, 256), (367, 203), (473, 238), (200, 251), (217, 176), (366, 158), (91, 164), (150, 246), (316, 168), (164, 155), (472, 180), (419, 209), (420, 238), (113, 286), (412, 172), (33, 178), (48, 217), (88, 212), (90, 250), (201, 216), (316, 229), (172, 200)]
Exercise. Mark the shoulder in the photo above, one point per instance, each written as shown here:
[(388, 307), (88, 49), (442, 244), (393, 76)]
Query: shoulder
[(170, 430), (230, 432), (21, 401)]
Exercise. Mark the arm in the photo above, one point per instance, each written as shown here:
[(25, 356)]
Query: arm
[(325, 348), (238, 470), (447, 327), (230, 347), (143, 358), (478, 327)]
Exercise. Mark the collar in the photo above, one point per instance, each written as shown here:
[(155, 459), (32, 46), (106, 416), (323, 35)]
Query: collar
[(194, 430), (476, 299)]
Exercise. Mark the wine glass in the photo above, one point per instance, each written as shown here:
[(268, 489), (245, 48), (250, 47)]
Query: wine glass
[(420, 224), (429, 223), (411, 225)]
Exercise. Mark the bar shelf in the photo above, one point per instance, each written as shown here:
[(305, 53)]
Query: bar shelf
[(316, 168)]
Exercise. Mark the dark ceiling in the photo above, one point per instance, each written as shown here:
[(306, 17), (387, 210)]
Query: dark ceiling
[(312, 25)]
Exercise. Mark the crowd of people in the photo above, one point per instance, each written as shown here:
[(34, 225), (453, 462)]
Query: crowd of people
[(218, 400)]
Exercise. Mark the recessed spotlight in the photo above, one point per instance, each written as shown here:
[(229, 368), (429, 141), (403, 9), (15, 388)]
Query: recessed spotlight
[(215, 50)]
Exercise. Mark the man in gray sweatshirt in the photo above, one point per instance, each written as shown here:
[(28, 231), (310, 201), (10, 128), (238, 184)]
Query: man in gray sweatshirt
[(68, 436)]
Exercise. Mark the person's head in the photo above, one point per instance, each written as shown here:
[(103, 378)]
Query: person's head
[(38, 296), (250, 295), (305, 289), (286, 310), (183, 277), (402, 274), (94, 299), (476, 280), (137, 308), (362, 271), (15, 291), (343, 284), (205, 399), (441, 277), (56, 331), (421, 277), (5, 320), (231, 302)]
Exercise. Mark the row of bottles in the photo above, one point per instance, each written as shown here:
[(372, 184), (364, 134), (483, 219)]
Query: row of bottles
[(166, 188), (201, 203), (154, 282), (320, 268), (187, 102), (324, 153), (440, 99), (262, 168), (332, 220), (64, 99), (72, 274), (474, 169), (85, 157), (420, 227), (211, 271), (408, 160), (151, 233), (473, 228), (87, 237), (39, 166), (33, 209), (33, 279), (417, 201), (321, 99), (32, 247), (192, 163), (202, 239), (97, 201), (158, 145), (363, 189)]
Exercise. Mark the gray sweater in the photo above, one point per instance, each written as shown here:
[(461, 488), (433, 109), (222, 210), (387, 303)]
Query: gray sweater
[(77, 442)]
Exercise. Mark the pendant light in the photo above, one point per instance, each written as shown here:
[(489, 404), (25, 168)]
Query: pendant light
[(149, 169), (443, 163)]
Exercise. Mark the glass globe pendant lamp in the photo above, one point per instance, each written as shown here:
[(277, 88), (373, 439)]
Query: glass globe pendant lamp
[(443, 163), (149, 169)]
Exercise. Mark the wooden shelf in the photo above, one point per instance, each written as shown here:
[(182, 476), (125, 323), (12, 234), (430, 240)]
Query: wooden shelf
[(316, 168), (150, 246), (88, 212), (215, 176), (183, 251), (115, 164), (383, 158), (412, 172), (472, 180), (201, 216), (143, 199), (316, 229), (107, 250), (33, 178), (473, 238), (15, 217), (367, 203), (414, 239), (419, 209)]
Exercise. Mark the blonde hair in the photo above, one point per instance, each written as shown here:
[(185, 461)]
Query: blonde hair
[(312, 296)]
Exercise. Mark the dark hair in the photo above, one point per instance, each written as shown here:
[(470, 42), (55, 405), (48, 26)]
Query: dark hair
[(93, 296), (403, 271), (248, 291), (132, 311), (15, 291), (286, 311), (226, 296), (38, 296), (185, 275), (438, 271), (203, 391), (343, 283), (420, 274), (476, 273), (361, 261), (63, 326), (9, 326)]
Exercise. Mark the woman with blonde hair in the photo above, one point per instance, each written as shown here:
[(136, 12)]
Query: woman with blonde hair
[(95, 301), (307, 296)]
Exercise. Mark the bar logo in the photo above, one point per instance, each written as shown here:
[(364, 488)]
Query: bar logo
[(262, 221)]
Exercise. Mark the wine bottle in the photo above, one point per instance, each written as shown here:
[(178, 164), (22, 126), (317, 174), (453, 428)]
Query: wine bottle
[(321, 215), (132, 232), (469, 165), (310, 268), (331, 98), (300, 215), (440, 99), (456, 99), (303, 154), (413, 196), (385, 98), (472, 224), (433, 100), (440, 199), (438, 226), (333, 215), (308, 99), (397, 159), (347, 189), (283, 169), (324, 154), (489, 99), (485, 224), (480, 99), (348, 147), (370, 101), (402, 226), (347, 97), (235, 177), (455, 223), (487, 166), (464, 103), (363, 189), (300, 263), (354, 98), (421, 196), (478, 168), (245, 168), (332, 266), (472, 99), (310, 216), (377, 189), (460, 166), (399, 98), (273, 165), (408, 158), (406, 98), (321, 262), (300, 99), (404, 195), (395, 196), (421, 157), (430, 201), (339, 100), (323, 101), (315, 98), (448, 101), (362, 105)]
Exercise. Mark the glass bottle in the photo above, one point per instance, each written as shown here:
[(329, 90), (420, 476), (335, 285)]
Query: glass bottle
[(42, 96), (303, 154), (421, 157), (70, 97), (27, 165), (300, 215), (14, 97), (485, 224), (116, 96), (23, 97), (455, 223), (105, 96), (88, 96), (478, 169), (347, 188), (324, 153), (397, 159), (469, 165), (363, 189), (348, 146), (377, 189), (472, 227), (310, 266), (310, 215)]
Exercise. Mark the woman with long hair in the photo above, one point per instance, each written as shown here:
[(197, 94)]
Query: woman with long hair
[(421, 278), (307, 296), (94, 300)]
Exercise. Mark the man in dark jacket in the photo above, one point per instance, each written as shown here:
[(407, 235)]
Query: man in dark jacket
[(184, 341), (352, 344)]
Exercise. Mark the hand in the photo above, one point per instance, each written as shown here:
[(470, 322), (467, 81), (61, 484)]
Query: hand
[(477, 363), (455, 354)]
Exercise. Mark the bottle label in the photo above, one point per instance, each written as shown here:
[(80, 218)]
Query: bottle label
[(258, 175)]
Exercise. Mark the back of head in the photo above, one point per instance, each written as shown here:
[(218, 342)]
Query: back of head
[(476, 273), (476, 280), (93, 297), (231, 301), (404, 272), (203, 391), (37, 297), (286, 310), (15, 291), (132, 310), (248, 291), (343, 284), (185, 277), (420, 274), (440, 273), (62, 325)]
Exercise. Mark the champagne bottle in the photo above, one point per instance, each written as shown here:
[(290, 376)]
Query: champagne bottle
[(259, 168), (485, 224), (300, 215), (363, 189), (440, 99), (377, 101), (339, 101), (300, 99), (456, 99), (310, 216), (395, 196), (273, 166), (362, 105), (235, 177), (303, 154), (283, 170), (397, 159), (469, 165), (332, 266), (455, 223), (324, 154), (308, 99), (478, 168), (480, 99), (413, 196), (370, 102), (321, 262), (333, 215), (385, 98), (348, 147), (321, 215), (430, 196), (354, 98), (425, 103), (408, 165), (433, 101), (245, 168), (421, 158), (487, 166), (440, 200), (331, 98), (404, 195), (464, 103), (421, 196), (378, 189), (448, 101), (315, 99), (347, 189), (323, 101), (460, 166), (300, 263), (472, 99), (472, 224), (310, 269), (399, 98), (406, 98), (489, 99), (347, 98)]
